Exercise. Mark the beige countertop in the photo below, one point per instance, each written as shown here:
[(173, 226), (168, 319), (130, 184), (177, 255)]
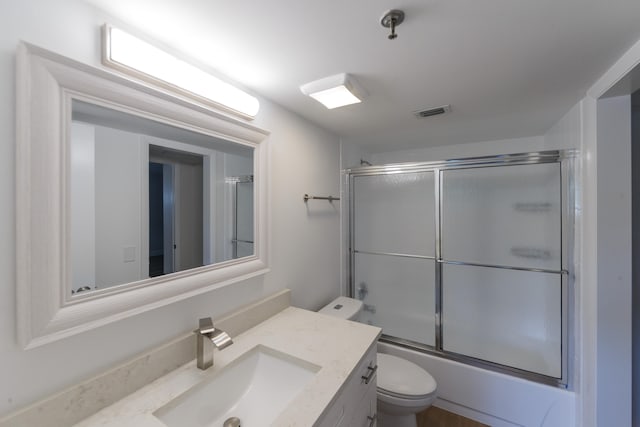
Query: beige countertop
[(333, 344)]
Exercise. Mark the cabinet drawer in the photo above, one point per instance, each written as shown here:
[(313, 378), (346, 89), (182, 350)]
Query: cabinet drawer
[(360, 386), (335, 416), (365, 414)]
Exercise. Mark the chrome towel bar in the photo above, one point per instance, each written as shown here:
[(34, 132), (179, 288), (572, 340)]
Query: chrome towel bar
[(307, 197)]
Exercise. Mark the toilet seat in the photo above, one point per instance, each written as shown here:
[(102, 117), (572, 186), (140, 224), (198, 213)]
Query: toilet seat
[(401, 379), (393, 404), (391, 394)]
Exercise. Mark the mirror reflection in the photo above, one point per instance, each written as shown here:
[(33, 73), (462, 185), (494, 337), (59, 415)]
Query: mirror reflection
[(149, 199)]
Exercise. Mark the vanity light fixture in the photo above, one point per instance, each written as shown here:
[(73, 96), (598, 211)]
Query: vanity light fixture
[(335, 91), (133, 56)]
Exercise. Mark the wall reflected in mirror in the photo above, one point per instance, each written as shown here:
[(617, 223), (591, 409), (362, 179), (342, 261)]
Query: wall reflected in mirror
[(150, 199)]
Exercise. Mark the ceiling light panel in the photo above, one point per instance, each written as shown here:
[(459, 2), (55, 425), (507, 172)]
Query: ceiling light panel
[(335, 91)]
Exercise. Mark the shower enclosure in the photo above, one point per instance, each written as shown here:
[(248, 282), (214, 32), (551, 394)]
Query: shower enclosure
[(468, 259), (242, 215)]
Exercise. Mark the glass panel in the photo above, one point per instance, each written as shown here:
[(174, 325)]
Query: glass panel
[(399, 295), (395, 213), (244, 219), (504, 316), (507, 215)]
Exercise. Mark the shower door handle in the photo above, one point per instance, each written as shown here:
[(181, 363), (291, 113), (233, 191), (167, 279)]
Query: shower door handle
[(372, 371)]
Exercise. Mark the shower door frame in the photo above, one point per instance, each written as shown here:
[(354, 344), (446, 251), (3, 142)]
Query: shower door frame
[(566, 159), (234, 181)]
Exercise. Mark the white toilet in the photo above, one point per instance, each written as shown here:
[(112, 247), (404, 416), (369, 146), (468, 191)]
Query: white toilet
[(404, 388)]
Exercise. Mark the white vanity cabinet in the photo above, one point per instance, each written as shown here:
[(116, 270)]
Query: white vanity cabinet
[(355, 405)]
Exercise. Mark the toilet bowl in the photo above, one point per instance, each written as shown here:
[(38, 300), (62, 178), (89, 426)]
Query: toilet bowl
[(404, 388)]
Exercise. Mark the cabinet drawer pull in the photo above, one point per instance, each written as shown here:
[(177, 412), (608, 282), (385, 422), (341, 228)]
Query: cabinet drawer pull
[(370, 374), (372, 420)]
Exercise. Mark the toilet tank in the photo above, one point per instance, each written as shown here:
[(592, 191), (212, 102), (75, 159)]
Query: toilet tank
[(343, 307)]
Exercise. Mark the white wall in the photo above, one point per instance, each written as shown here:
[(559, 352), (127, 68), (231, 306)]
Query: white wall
[(504, 146), (565, 133), (304, 240), (614, 261), (118, 196), (598, 316), (83, 205), (304, 237), (235, 165), (352, 154), (635, 187)]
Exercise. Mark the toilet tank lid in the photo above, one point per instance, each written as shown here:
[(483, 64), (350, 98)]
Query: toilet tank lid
[(400, 376), (343, 307)]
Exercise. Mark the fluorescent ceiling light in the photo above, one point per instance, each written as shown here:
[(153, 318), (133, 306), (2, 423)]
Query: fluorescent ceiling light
[(133, 56), (335, 91)]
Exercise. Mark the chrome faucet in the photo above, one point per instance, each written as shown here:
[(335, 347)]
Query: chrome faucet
[(207, 337)]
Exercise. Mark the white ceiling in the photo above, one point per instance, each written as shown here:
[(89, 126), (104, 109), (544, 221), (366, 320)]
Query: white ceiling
[(509, 68)]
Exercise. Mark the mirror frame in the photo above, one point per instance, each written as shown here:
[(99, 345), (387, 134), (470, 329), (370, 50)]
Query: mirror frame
[(46, 83)]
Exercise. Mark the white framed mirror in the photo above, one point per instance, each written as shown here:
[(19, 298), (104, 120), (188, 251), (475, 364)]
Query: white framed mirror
[(129, 197)]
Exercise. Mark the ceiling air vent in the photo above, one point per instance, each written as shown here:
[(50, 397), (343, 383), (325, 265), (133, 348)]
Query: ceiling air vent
[(432, 111)]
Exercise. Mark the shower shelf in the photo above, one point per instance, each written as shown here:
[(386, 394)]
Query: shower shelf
[(532, 206), (531, 253)]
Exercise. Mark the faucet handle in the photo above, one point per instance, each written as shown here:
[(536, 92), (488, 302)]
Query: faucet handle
[(205, 326)]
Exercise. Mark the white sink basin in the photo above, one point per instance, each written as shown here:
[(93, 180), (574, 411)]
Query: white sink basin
[(256, 388)]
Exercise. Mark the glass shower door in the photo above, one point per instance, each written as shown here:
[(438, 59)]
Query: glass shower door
[(393, 253), (469, 259), (502, 284), (243, 219)]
